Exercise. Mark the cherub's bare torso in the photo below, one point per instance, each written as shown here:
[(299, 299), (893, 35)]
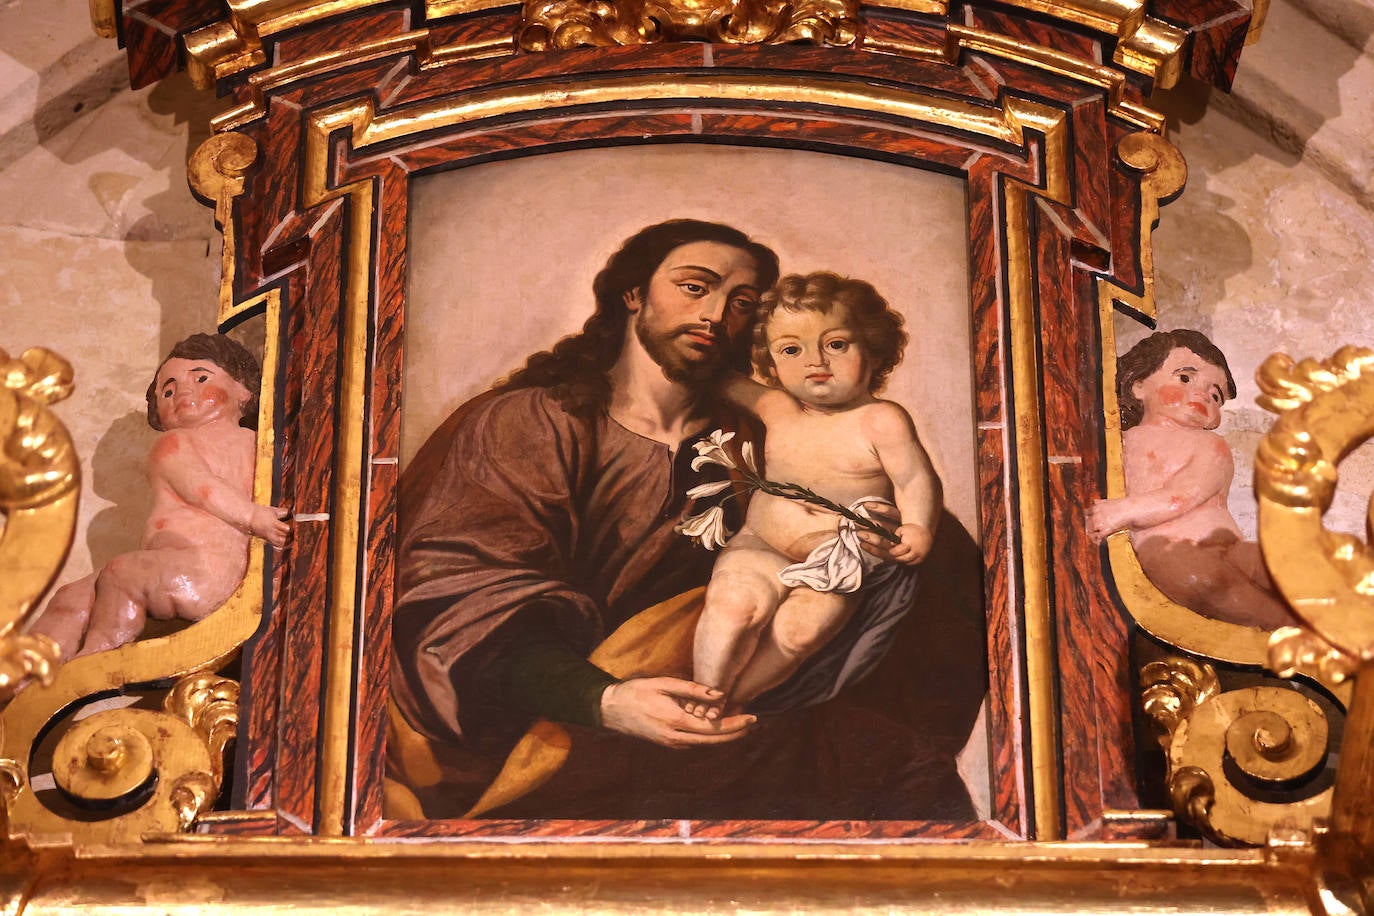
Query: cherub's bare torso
[(214, 551), (829, 453), (1153, 455)]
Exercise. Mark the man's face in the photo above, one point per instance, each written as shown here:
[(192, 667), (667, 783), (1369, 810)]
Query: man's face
[(700, 300), (1185, 391), (193, 392)]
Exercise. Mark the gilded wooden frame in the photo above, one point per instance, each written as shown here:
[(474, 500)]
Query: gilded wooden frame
[(1066, 169)]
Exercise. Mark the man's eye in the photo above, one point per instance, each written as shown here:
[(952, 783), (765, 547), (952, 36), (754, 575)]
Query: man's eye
[(167, 393), (202, 378), (744, 305), (695, 289), (1185, 378)]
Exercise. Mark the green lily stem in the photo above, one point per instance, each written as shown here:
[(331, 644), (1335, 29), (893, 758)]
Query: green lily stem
[(802, 494)]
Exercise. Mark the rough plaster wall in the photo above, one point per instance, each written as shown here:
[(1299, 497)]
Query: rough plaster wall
[(106, 258)]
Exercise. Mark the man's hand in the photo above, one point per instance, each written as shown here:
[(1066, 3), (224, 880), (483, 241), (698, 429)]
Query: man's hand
[(269, 523), (651, 708)]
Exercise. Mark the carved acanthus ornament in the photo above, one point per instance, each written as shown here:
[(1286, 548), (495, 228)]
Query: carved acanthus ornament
[(39, 475), (562, 24)]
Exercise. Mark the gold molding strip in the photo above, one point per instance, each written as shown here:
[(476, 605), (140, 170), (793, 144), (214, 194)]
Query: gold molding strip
[(439, 9), (958, 37), (345, 539), (104, 18), (1114, 17), (233, 44), (1155, 49)]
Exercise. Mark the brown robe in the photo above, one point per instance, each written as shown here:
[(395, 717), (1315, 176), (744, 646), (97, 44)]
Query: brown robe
[(517, 514)]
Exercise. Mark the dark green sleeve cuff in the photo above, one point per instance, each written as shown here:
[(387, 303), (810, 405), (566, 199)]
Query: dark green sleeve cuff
[(546, 679)]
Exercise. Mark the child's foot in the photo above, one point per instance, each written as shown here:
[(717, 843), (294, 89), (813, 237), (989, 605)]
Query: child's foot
[(702, 710)]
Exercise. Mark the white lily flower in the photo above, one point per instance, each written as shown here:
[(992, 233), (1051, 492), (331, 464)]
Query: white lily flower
[(708, 528), (746, 451), (711, 450), (703, 490)]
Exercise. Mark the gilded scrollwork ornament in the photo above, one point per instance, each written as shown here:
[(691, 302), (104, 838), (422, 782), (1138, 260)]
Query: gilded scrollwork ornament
[(39, 475), (563, 24), (1326, 409), (1268, 737), (168, 765)]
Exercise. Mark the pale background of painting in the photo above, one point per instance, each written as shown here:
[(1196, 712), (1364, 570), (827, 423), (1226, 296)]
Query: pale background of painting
[(502, 257)]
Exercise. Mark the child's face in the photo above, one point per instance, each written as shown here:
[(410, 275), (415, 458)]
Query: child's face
[(818, 358), (193, 392), (1185, 391)]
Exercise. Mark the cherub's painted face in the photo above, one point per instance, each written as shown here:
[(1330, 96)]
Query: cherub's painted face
[(193, 392), (818, 358), (1185, 391)]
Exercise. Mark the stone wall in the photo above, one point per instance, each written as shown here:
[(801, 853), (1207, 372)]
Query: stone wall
[(106, 257)]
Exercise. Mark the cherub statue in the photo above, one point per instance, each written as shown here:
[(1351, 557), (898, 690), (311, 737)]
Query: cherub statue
[(1170, 387), (195, 545)]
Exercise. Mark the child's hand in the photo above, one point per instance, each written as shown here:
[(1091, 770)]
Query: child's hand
[(916, 542), (1102, 519), (270, 523)]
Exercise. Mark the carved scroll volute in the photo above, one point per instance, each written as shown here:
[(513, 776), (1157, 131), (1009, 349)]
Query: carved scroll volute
[(563, 24), (1326, 410), (1272, 735), (168, 764), (39, 483)]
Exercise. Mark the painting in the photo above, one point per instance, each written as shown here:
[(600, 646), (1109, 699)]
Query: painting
[(545, 517)]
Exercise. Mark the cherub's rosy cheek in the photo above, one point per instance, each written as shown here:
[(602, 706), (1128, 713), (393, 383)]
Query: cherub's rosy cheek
[(1171, 394)]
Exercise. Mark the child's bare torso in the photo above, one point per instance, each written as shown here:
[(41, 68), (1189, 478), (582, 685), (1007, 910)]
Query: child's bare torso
[(1153, 454), (828, 453), (174, 524)]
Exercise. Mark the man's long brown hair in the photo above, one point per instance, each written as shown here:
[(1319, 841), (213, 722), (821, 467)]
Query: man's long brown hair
[(575, 369)]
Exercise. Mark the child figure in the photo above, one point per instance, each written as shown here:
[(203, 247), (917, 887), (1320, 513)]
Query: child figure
[(1171, 387), (195, 545), (785, 584)]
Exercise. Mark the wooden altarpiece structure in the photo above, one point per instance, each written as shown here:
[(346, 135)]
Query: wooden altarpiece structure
[(1140, 757)]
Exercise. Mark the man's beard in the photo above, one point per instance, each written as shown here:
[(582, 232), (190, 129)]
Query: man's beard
[(665, 349)]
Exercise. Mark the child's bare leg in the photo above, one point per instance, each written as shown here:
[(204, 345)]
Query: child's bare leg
[(130, 587), (740, 600), (805, 621), (67, 615)]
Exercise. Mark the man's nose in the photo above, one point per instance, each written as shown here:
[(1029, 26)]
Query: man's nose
[(713, 309)]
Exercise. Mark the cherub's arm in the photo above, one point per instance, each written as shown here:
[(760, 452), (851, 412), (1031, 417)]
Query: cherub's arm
[(1206, 474), (175, 462), (755, 397), (915, 485)]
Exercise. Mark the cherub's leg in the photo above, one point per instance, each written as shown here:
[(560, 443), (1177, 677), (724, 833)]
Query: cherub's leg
[(65, 618), (740, 600), (805, 621), (1203, 578), (126, 590)]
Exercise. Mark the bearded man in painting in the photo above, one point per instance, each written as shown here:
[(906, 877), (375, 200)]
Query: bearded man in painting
[(542, 515)]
